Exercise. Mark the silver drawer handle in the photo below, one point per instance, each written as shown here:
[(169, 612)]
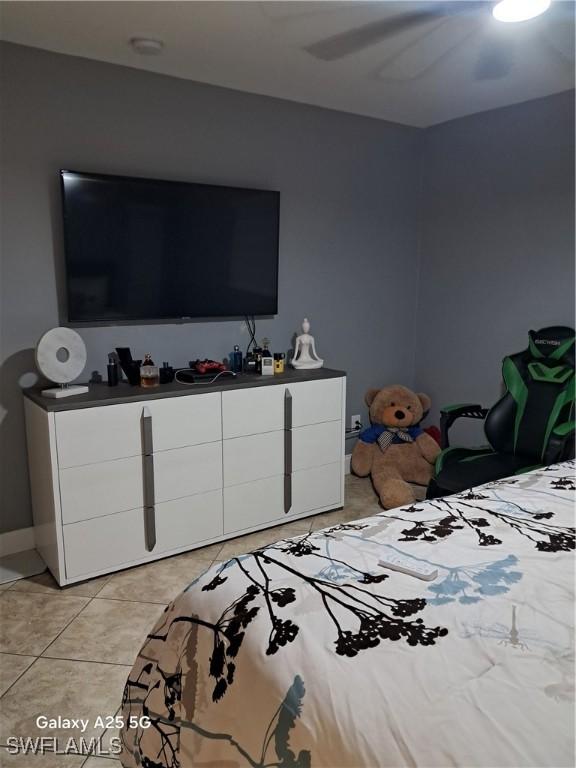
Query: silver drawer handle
[(148, 480), (287, 451)]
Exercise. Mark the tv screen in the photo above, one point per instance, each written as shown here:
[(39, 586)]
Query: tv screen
[(142, 249)]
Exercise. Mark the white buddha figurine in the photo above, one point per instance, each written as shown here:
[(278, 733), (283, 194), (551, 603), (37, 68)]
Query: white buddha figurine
[(305, 350)]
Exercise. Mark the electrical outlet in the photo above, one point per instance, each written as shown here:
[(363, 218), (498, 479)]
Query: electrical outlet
[(355, 422)]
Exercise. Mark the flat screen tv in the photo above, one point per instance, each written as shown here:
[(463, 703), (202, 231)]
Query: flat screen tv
[(142, 249)]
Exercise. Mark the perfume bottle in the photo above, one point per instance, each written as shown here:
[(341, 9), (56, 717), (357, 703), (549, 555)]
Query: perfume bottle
[(257, 353), (236, 359), (249, 363), (149, 373), (112, 369), (266, 360), (266, 348)]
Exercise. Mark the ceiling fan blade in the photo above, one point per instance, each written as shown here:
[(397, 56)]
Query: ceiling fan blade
[(559, 35), (421, 54), (354, 40)]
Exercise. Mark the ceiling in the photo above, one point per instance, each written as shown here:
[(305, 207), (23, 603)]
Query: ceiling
[(444, 64)]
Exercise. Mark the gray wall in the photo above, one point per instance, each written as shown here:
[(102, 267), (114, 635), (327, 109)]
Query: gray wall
[(349, 219), (497, 247), (496, 209)]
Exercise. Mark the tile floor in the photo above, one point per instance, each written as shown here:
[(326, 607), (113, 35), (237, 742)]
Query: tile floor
[(68, 651)]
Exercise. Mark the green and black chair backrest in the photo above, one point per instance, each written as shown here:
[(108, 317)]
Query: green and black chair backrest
[(539, 395)]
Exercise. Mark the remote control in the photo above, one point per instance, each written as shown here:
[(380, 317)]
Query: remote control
[(397, 562)]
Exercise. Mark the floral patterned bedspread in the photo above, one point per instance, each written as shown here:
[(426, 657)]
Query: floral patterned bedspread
[(308, 653)]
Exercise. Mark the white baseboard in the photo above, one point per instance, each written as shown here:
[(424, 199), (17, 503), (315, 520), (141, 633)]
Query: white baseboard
[(17, 541), (347, 458)]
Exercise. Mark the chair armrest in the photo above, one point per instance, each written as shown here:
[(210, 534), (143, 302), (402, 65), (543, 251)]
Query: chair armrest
[(560, 444), (565, 429), (463, 409), (449, 414)]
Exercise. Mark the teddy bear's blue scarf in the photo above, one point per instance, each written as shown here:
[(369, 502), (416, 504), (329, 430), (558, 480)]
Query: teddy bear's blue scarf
[(386, 436)]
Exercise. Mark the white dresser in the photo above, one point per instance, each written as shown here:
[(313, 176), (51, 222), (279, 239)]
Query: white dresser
[(122, 476)]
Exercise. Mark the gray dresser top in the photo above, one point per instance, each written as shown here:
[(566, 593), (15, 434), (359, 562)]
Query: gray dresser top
[(102, 394)]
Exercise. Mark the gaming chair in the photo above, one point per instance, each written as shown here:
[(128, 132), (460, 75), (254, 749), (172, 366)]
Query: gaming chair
[(531, 426)]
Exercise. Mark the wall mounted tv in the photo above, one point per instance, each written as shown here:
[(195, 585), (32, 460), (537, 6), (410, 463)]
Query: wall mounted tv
[(141, 249)]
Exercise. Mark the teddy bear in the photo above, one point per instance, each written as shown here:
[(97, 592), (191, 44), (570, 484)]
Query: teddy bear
[(395, 451)]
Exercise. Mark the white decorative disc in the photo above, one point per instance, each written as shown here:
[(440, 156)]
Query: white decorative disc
[(61, 355)]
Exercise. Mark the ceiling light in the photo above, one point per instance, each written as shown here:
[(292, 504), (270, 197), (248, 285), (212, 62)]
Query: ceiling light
[(146, 46), (519, 10)]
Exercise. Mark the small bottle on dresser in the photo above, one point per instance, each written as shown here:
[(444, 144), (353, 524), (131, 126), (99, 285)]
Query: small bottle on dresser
[(257, 354), (112, 369), (236, 360), (149, 373), (266, 361)]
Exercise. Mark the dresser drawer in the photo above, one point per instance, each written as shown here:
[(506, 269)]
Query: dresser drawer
[(316, 444), (252, 411), (90, 435), (100, 489), (106, 543), (188, 521), (316, 488), (93, 490), (261, 409), (253, 458), (316, 401), (187, 420), (252, 504), (186, 471), (262, 501)]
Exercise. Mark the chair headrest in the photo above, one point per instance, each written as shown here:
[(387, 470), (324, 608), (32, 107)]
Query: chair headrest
[(555, 343)]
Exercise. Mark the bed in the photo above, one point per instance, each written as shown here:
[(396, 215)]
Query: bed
[(308, 653)]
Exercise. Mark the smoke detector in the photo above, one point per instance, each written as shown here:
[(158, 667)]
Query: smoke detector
[(146, 46)]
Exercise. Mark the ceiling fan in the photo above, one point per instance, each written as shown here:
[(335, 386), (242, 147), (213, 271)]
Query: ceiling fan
[(354, 40), (443, 25)]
